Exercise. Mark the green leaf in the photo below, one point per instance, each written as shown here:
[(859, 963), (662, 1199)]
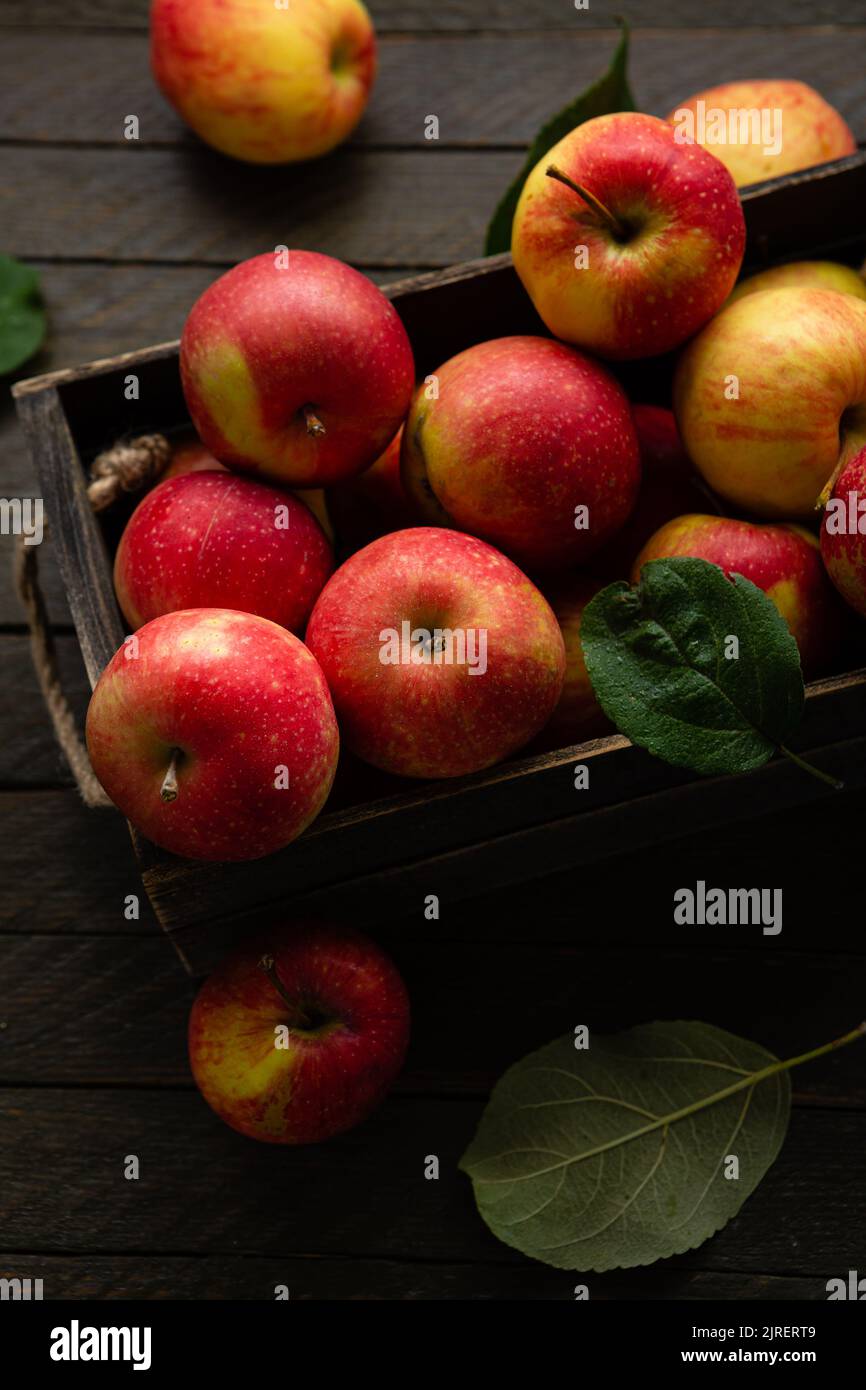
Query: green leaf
[(608, 93), (616, 1155), (656, 656), (22, 318)]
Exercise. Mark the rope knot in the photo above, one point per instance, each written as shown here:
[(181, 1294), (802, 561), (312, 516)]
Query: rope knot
[(127, 466)]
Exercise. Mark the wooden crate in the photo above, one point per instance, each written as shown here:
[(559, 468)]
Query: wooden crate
[(374, 859)]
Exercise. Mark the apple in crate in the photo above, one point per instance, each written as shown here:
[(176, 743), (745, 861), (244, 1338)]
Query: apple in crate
[(296, 368), (267, 81), (526, 443), (784, 561), (373, 503), (441, 656), (763, 128), (299, 1035), (626, 241), (770, 398), (670, 485), (843, 533), (212, 539), (214, 733), (816, 275), (578, 715)]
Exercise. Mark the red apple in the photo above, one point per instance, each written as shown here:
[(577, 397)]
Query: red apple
[(214, 733), (843, 533), (529, 445), (770, 397), (578, 715), (299, 1035), (762, 128), (214, 540), (373, 503), (296, 367), (442, 657), (626, 240), (188, 455), (261, 80), (784, 561), (669, 487)]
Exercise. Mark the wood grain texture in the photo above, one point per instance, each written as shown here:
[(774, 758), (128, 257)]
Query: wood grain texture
[(231, 1278), (466, 15), (73, 1197), (113, 1011), (64, 868), (179, 205), (458, 81)]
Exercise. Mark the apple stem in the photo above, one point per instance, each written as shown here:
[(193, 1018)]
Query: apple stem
[(313, 423), (169, 789), (297, 1018), (815, 771), (827, 489), (619, 230)]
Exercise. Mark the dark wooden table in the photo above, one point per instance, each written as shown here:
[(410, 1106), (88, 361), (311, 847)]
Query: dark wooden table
[(93, 1006)]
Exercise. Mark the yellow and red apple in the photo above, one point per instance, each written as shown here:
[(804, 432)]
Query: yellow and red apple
[(296, 368), (770, 398), (441, 656), (299, 1035), (214, 733), (267, 81), (764, 127), (627, 241), (211, 539), (817, 275), (526, 443), (784, 561)]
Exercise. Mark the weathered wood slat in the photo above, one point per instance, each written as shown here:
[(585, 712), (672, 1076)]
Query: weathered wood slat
[(181, 205), (65, 868), (465, 15), (251, 1277), (98, 1012), (458, 80), (71, 1195), (86, 869)]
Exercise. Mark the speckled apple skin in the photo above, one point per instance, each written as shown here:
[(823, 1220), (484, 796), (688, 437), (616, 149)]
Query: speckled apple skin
[(324, 1082), (845, 555), (263, 342), (812, 130), (239, 696), (428, 720), (211, 540), (646, 295), (578, 714), (524, 430), (265, 84), (784, 561), (799, 356)]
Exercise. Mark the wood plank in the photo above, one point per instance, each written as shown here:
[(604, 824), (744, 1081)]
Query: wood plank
[(108, 1011), (29, 753), (251, 1277), (409, 207), (86, 868), (456, 78), (464, 15), (62, 1187), (67, 869)]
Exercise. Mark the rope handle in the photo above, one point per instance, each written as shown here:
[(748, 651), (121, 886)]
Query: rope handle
[(128, 466)]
